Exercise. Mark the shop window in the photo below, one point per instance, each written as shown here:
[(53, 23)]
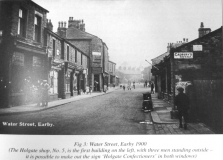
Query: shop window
[(37, 62), (37, 24), (53, 82), (18, 59), (1, 32), (22, 22), (68, 82), (75, 83)]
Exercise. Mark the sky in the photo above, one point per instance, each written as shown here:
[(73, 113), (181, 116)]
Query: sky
[(137, 30)]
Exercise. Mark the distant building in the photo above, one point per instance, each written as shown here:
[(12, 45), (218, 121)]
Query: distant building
[(129, 74), (111, 70), (92, 46)]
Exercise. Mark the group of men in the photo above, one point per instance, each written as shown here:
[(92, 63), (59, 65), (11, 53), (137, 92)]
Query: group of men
[(42, 93)]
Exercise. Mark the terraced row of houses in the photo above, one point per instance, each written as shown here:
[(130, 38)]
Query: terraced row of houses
[(70, 59)]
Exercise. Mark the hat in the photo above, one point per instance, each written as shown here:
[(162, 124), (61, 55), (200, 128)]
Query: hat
[(180, 89)]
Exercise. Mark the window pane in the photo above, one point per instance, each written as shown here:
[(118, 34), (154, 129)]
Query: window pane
[(20, 13), (19, 26), (35, 22)]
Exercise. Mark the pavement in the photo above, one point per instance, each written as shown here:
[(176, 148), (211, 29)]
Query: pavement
[(34, 108), (165, 125)]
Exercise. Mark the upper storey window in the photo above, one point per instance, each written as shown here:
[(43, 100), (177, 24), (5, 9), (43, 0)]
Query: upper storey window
[(37, 24), (22, 22)]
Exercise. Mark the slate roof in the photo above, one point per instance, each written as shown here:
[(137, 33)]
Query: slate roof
[(159, 58), (78, 34)]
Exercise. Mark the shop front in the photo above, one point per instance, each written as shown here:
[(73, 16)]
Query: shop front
[(97, 80), (26, 70), (56, 67)]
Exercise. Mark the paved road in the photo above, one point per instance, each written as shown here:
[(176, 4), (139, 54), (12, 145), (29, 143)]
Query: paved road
[(115, 113)]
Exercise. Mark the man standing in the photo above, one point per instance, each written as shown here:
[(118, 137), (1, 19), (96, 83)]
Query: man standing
[(152, 87), (45, 88), (182, 102)]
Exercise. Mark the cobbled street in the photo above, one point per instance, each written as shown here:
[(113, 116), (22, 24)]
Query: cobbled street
[(114, 113)]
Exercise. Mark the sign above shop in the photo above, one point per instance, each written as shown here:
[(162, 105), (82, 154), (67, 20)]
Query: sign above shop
[(197, 47), (96, 70), (96, 53), (183, 55)]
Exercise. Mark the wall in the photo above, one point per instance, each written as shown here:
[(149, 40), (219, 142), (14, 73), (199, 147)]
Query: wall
[(209, 102)]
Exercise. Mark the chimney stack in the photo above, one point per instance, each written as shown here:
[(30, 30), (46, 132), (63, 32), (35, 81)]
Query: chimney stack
[(202, 25), (203, 31), (49, 25), (79, 24)]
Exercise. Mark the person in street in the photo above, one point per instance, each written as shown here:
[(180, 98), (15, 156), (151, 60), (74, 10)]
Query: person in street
[(182, 102), (39, 92), (152, 87), (129, 86), (145, 85), (95, 85), (90, 89), (134, 85), (123, 87), (45, 88)]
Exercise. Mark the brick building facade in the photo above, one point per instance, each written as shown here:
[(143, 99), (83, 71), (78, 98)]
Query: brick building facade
[(23, 54), (197, 67), (92, 46), (68, 67), (112, 75)]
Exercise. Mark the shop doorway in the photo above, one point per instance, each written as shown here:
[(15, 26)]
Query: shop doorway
[(96, 83)]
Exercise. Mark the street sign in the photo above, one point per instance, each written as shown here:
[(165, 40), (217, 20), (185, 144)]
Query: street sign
[(183, 55), (197, 48)]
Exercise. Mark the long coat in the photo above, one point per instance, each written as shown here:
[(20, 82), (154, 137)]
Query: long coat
[(182, 102)]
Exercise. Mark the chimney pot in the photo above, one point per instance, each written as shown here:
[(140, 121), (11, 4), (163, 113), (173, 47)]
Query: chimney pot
[(202, 25), (59, 24), (65, 23)]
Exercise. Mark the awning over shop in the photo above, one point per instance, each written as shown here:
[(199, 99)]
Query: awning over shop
[(75, 66)]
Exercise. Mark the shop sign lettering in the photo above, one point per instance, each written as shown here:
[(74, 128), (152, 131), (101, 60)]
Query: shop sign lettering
[(183, 55)]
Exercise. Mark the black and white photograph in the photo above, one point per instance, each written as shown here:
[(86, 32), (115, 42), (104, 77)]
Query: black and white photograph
[(118, 70)]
